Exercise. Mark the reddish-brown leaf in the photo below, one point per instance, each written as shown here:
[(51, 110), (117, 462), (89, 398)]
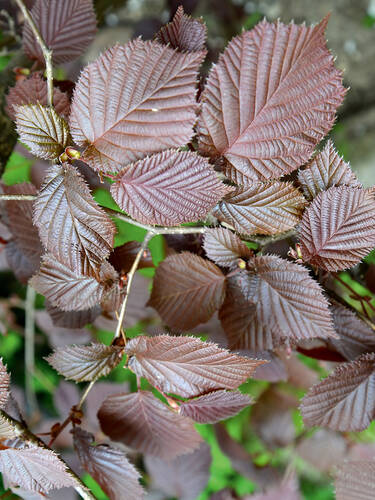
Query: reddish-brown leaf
[(109, 466), (277, 300), (187, 290), (323, 450), (273, 371), (67, 28), (183, 33), (287, 491), (325, 170), (345, 400), (270, 99), (187, 366), (355, 480), (262, 208), (4, 384), (72, 319), (224, 247), (134, 100), (122, 257), (338, 228), (141, 421), (168, 188)]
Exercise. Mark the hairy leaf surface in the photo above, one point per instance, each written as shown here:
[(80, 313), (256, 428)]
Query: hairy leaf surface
[(7, 428), (338, 228), (67, 28), (134, 100), (4, 384), (262, 208), (325, 170), (168, 188), (277, 300), (345, 400), (224, 247), (71, 224), (109, 466), (141, 421), (270, 99), (355, 480), (43, 130), (187, 290), (187, 366)]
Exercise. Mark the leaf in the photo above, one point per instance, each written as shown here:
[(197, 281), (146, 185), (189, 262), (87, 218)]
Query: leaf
[(224, 247), (187, 366), (273, 371), (325, 170), (67, 28), (338, 228), (18, 262), (269, 100), (33, 90), (84, 363), (355, 480), (71, 224), (109, 466), (183, 33), (345, 400), (141, 421), (187, 290), (355, 336), (185, 477), (65, 288), (4, 384), (287, 491), (7, 428), (168, 188), (323, 450), (262, 208), (35, 469), (134, 100), (215, 406), (276, 301), (122, 258), (43, 130), (72, 319)]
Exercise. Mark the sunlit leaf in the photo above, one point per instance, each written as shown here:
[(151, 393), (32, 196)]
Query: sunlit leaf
[(224, 247)]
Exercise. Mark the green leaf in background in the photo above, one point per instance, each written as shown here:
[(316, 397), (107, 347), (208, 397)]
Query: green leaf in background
[(17, 169)]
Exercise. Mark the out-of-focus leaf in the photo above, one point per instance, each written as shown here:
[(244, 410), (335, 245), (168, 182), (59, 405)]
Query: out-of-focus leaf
[(122, 257), (324, 449), (224, 247), (72, 319)]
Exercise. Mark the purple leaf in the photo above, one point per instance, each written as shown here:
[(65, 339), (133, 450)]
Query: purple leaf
[(72, 319), (355, 480), (224, 247), (122, 257), (4, 384)]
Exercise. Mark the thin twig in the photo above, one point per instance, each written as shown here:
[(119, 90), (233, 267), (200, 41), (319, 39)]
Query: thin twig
[(85, 394), (355, 294), (47, 53), (31, 401)]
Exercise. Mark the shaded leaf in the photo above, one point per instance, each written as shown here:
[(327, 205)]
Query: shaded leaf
[(21, 265), (224, 247), (215, 406), (355, 480), (109, 466), (141, 421), (338, 228), (185, 477), (287, 491), (273, 371), (124, 103), (270, 99), (168, 188), (33, 90), (122, 258), (325, 170), (85, 362), (187, 366), (276, 301), (324, 449), (71, 224), (187, 290), (72, 319), (43, 130), (262, 208), (184, 33), (345, 400), (4, 384), (67, 28), (65, 396), (58, 336)]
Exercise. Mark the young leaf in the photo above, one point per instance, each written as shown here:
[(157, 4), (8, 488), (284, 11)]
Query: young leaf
[(277, 300), (325, 170), (215, 406), (4, 384), (338, 228), (224, 247), (345, 400), (124, 103), (168, 188), (122, 257), (185, 477), (262, 208), (43, 130), (183, 33), (84, 363), (33, 90), (71, 224), (141, 421), (270, 99), (355, 480), (67, 28), (187, 290), (187, 366), (35, 469), (109, 466)]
